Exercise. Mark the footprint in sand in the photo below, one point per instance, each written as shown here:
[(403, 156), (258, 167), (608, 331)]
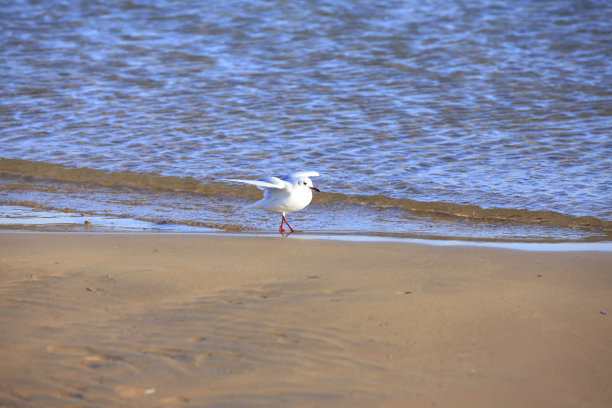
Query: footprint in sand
[(283, 338), (71, 350), (90, 359), (175, 400), (96, 361), (130, 391)]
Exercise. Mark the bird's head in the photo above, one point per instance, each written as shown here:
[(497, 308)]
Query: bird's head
[(307, 182)]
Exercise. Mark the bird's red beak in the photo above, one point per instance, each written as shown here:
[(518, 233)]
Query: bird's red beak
[(315, 189)]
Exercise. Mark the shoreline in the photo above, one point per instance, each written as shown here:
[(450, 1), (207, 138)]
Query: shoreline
[(191, 320), (515, 245), (24, 218)]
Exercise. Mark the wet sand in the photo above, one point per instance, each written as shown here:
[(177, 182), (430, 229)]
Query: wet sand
[(108, 320)]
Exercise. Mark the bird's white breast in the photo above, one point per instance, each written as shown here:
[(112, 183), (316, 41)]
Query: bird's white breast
[(286, 201)]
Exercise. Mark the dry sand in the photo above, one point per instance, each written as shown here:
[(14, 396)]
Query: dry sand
[(195, 321)]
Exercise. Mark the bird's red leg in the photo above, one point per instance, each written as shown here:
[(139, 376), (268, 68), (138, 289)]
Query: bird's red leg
[(281, 229), (287, 222)]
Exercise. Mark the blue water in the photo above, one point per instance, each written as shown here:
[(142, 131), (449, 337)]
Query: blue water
[(443, 108)]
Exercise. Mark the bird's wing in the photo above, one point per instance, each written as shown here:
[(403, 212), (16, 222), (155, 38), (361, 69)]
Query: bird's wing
[(263, 183), (297, 174)]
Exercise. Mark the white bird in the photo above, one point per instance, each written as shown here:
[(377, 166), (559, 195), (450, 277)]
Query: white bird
[(287, 194)]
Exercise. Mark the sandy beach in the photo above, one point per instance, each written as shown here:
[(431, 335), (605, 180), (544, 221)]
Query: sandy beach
[(111, 320)]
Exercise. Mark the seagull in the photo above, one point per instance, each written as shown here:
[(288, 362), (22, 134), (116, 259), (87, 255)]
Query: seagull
[(287, 194)]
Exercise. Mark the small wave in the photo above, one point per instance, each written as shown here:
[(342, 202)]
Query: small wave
[(41, 172), (61, 173), (443, 210)]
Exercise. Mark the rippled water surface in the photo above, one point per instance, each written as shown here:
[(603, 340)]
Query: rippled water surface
[(483, 119)]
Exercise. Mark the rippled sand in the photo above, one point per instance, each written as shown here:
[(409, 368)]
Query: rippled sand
[(137, 320)]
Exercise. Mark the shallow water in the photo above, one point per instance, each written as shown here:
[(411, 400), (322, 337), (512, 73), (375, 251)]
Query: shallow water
[(479, 120)]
